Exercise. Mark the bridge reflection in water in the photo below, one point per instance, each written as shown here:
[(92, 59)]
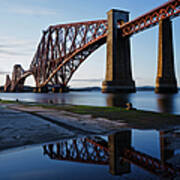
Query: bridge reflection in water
[(119, 100), (117, 152), (166, 103)]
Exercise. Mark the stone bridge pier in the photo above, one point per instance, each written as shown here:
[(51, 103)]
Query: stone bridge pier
[(16, 84), (166, 79), (18, 71), (118, 65)]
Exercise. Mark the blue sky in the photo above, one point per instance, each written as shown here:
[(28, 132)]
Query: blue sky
[(22, 22)]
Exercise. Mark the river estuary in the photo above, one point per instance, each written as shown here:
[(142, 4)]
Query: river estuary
[(144, 100)]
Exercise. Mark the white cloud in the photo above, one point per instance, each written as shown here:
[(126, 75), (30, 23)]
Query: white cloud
[(12, 53), (27, 11), (30, 10), (3, 73), (11, 46), (15, 51), (12, 41)]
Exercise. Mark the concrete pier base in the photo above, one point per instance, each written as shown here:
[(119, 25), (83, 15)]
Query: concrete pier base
[(166, 86), (118, 86), (55, 89), (42, 90), (62, 89), (166, 80), (118, 65)]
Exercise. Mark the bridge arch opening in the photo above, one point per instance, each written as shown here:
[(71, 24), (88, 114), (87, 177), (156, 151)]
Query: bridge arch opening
[(30, 81), (176, 40), (92, 71), (144, 57), (148, 54)]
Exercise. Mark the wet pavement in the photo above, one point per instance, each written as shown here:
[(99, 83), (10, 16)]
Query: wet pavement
[(23, 126), (19, 128)]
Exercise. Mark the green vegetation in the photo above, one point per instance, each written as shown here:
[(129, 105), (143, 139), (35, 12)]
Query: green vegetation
[(9, 102), (135, 118)]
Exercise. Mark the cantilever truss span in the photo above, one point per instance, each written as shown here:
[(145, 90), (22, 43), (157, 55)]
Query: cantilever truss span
[(170, 9), (63, 48)]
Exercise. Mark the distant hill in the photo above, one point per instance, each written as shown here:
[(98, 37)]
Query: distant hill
[(86, 89), (145, 88), (148, 88), (95, 88), (141, 88), (26, 89)]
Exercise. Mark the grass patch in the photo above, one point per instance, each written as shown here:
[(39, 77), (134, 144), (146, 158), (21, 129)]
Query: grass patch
[(9, 102)]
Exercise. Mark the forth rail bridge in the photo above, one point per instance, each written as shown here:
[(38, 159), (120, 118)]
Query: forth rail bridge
[(64, 47)]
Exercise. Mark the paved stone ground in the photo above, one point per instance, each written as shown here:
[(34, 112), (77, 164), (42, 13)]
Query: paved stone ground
[(19, 128), (83, 123), (23, 126)]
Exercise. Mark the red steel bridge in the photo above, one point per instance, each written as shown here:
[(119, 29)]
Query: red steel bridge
[(64, 47), (117, 153)]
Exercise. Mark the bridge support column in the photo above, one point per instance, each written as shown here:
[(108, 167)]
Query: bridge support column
[(7, 86), (35, 90), (42, 89), (166, 80), (61, 89), (118, 65)]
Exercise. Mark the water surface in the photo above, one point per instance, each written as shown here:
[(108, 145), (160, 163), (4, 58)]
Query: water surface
[(145, 100), (129, 154)]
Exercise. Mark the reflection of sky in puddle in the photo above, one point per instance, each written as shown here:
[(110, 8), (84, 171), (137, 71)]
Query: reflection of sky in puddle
[(146, 142), (43, 162)]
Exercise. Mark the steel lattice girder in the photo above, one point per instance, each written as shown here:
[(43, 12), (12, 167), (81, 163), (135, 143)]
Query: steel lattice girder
[(168, 10), (63, 48)]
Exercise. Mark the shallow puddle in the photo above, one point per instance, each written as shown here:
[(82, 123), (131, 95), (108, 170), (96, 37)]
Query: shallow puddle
[(129, 154)]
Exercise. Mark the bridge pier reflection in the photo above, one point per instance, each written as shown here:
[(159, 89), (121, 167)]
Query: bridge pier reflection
[(117, 143), (119, 100), (166, 152), (165, 103)]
